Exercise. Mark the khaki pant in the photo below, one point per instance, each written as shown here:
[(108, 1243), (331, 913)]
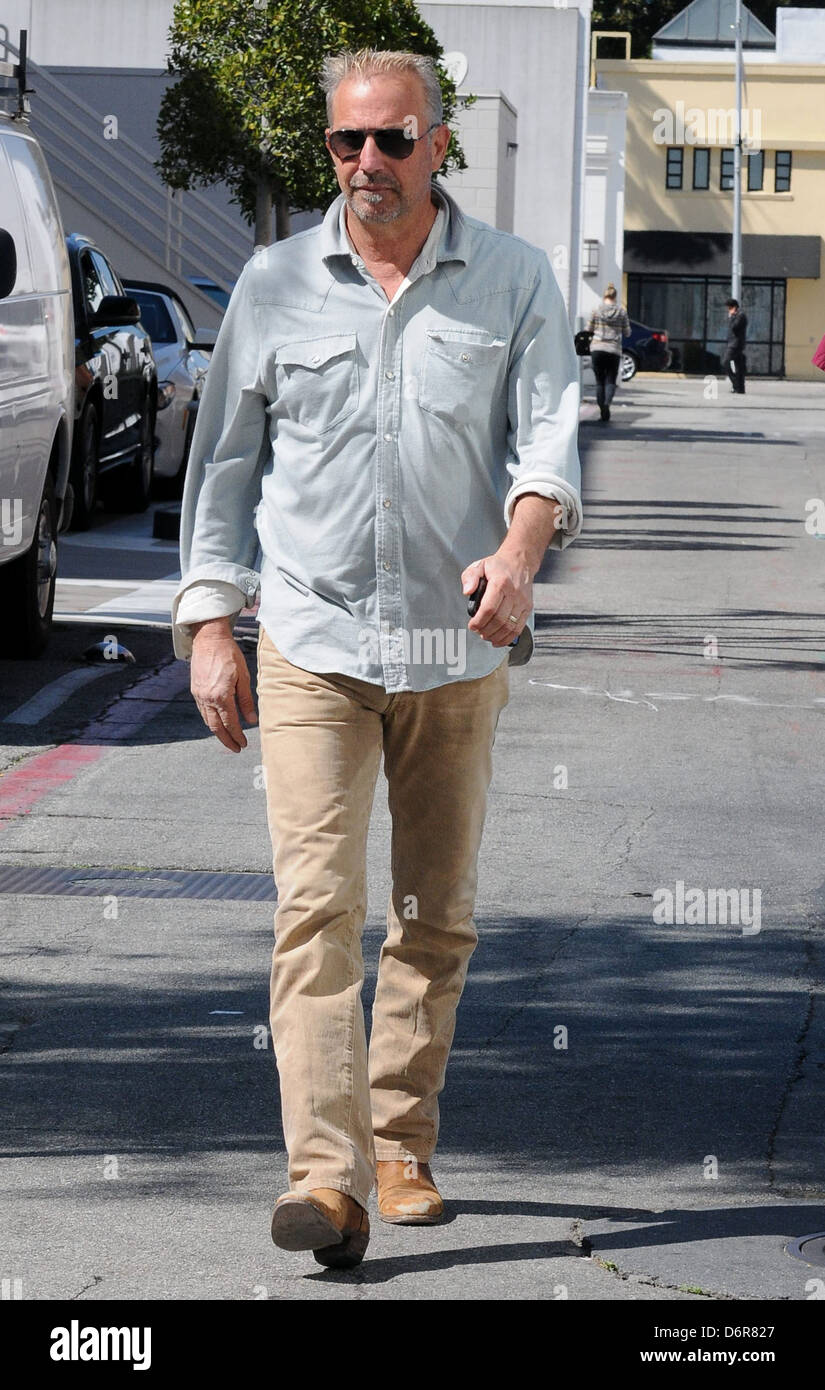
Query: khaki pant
[(321, 739)]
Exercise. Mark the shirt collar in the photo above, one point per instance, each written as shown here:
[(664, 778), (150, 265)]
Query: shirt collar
[(453, 239)]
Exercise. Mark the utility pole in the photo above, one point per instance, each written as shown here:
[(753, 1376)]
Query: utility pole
[(736, 241)]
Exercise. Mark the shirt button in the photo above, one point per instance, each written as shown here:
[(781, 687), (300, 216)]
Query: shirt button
[(388, 438), (387, 502), (391, 313), (465, 356), (390, 376), (316, 359), (387, 565)]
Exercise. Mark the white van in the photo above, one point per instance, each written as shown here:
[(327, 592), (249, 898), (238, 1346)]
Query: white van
[(36, 389)]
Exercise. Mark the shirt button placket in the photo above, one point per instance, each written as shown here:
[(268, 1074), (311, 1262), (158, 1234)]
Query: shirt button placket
[(387, 521)]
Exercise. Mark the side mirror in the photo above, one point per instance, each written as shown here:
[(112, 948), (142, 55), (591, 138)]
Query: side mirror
[(8, 264), (115, 311), (204, 340)]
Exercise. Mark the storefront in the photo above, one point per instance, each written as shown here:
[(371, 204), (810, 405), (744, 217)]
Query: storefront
[(692, 310), (679, 281)]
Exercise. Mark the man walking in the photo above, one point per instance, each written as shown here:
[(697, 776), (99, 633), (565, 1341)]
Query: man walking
[(391, 414), (733, 359)]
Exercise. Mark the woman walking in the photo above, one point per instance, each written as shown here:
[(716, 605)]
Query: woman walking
[(608, 324)]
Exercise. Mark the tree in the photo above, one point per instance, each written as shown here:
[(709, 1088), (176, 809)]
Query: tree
[(247, 108), (643, 17)]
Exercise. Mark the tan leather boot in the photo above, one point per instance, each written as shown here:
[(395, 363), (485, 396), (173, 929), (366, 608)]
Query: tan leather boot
[(330, 1223), (407, 1194)]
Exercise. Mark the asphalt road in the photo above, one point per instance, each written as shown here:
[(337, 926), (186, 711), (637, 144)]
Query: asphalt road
[(634, 1106)]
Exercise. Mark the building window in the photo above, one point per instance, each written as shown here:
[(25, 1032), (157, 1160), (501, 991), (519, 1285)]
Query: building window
[(673, 175), (756, 171), (701, 168), (782, 172), (726, 171)]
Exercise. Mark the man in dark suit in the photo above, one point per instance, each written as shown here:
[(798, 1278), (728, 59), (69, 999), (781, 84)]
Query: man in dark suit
[(733, 358)]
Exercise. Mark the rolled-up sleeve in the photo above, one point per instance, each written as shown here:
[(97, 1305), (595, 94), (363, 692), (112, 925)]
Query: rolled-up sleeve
[(230, 446), (543, 407)]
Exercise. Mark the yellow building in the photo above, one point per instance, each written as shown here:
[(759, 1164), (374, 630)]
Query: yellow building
[(681, 133)]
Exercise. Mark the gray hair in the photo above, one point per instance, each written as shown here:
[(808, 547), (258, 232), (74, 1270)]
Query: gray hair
[(368, 62)]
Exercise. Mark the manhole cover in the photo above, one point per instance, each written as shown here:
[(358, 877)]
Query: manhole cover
[(811, 1249)]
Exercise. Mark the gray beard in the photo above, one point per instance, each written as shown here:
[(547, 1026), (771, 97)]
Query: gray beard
[(373, 212)]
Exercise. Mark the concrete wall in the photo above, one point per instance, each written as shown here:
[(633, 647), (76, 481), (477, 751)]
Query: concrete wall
[(537, 55), (486, 188), (604, 192)]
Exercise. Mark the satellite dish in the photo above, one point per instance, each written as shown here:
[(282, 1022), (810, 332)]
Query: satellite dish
[(456, 65)]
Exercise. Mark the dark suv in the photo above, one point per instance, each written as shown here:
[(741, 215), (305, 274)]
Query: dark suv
[(116, 390)]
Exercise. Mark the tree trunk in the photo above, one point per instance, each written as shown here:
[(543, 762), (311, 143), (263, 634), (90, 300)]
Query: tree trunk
[(281, 215), (263, 212)]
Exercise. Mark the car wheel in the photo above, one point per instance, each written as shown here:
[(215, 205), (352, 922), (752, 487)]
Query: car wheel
[(84, 471), (629, 366), (27, 585)]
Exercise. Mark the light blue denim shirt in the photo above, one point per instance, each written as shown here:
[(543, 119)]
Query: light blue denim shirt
[(352, 455)]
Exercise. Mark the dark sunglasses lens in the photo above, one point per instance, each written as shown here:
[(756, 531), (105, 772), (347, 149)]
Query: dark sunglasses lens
[(346, 142), (394, 143)]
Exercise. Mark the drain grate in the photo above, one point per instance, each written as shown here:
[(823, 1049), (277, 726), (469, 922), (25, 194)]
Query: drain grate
[(811, 1249), (138, 883)]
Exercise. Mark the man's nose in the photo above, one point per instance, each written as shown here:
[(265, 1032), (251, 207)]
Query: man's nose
[(372, 161)]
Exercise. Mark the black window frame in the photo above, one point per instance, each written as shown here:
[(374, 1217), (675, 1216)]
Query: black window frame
[(753, 186), (727, 169), (678, 152), (786, 170), (701, 149)]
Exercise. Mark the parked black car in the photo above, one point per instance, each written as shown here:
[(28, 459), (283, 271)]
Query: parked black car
[(116, 390), (646, 350)]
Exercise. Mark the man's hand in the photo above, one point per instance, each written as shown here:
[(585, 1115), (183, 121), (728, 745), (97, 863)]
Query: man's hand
[(509, 591), (510, 572), (219, 673)]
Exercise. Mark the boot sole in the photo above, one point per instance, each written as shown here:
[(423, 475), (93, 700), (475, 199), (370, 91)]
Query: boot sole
[(298, 1225), (412, 1219)]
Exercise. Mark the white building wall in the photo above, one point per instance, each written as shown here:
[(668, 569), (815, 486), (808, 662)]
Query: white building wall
[(106, 33), (604, 192), (486, 188)]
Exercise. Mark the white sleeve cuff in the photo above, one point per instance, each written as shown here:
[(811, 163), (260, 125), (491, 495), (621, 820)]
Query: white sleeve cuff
[(199, 601)]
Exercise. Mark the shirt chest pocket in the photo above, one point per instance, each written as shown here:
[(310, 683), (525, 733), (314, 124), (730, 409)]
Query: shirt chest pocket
[(316, 381), (461, 372)]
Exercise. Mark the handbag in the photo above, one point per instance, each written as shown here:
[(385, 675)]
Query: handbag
[(818, 358), (581, 342)]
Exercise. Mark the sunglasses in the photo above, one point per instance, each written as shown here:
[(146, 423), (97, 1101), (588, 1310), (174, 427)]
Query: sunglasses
[(395, 142)]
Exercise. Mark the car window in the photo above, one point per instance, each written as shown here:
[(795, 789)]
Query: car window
[(188, 326), (155, 316), (11, 220), (106, 275), (42, 220), (93, 290)]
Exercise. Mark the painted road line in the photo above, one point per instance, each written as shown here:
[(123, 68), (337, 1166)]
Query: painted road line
[(53, 695), (150, 601), (23, 787)]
